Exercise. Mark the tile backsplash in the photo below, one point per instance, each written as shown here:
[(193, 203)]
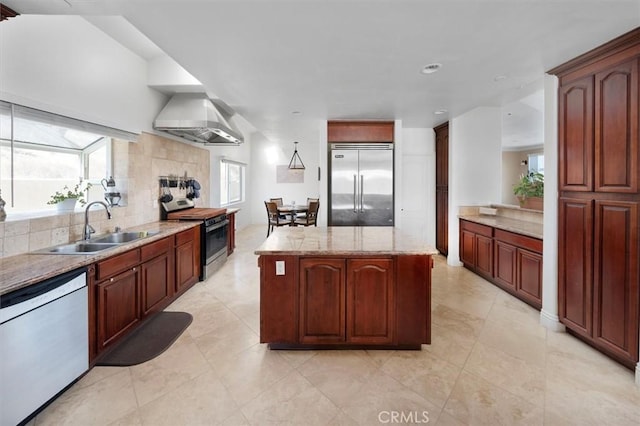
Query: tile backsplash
[(137, 166)]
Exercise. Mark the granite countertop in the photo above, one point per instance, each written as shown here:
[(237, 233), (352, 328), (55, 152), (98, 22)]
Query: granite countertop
[(530, 229), (342, 240), (25, 269)]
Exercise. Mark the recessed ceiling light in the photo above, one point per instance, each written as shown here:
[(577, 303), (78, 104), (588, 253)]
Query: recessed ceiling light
[(499, 77), (431, 68), (296, 112), (440, 112)]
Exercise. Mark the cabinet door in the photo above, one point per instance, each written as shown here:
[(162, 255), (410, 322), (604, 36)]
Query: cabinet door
[(576, 135), (156, 283), (616, 128), (468, 248), (505, 265), (484, 255), (442, 220), (187, 258), (322, 300), (529, 278), (118, 306), (616, 295), (575, 243), (370, 301)]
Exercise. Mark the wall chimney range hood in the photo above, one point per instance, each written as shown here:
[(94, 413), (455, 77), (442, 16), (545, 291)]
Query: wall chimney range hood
[(193, 116)]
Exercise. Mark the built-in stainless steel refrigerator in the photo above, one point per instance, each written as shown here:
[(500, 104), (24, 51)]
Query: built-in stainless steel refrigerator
[(361, 185)]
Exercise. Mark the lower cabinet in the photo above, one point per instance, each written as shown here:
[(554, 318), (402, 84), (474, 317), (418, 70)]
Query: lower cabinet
[(346, 301), (129, 287), (156, 276), (518, 266), (361, 301), (476, 247), (187, 258), (511, 261)]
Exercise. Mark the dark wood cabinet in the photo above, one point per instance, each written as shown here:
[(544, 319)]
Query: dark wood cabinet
[(370, 301), (118, 305), (346, 301), (598, 238), (187, 259), (322, 300), (616, 128), (156, 276), (442, 188), (231, 234), (476, 247), (510, 260), (129, 287), (333, 301)]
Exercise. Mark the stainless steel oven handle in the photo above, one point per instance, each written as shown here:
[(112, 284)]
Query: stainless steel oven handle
[(217, 225)]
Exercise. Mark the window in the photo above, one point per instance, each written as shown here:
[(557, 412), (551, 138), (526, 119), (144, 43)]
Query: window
[(231, 182), (536, 163), (41, 152)]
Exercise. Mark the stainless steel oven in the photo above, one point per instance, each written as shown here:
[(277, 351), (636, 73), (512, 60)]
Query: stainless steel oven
[(214, 244), (214, 231)]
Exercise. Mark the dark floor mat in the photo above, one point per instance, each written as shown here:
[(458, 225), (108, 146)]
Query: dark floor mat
[(148, 341)]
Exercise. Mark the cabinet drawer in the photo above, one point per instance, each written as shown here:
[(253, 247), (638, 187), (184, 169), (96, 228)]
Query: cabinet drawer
[(519, 240), (487, 231), (186, 236), (154, 249), (118, 263)]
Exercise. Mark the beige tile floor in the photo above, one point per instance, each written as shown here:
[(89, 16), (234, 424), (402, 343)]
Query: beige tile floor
[(489, 363)]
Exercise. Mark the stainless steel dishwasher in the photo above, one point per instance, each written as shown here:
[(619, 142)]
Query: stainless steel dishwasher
[(44, 343)]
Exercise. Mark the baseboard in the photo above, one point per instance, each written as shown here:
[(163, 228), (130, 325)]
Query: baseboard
[(638, 374), (551, 322)]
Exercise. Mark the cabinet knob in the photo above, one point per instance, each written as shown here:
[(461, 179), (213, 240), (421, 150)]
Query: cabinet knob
[(111, 280), (134, 269)]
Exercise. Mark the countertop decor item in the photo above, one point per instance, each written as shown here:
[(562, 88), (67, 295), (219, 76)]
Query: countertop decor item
[(68, 197)]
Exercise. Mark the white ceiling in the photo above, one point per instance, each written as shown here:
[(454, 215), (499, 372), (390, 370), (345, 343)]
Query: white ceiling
[(357, 59)]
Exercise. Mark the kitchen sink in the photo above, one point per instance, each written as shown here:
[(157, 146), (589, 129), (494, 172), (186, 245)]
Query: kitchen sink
[(77, 248), (122, 237), (97, 244)]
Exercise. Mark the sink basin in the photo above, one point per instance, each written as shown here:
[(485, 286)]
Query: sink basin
[(122, 237), (77, 248), (99, 243)]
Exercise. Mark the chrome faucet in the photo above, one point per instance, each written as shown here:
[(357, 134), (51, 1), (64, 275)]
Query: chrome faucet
[(88, 229)]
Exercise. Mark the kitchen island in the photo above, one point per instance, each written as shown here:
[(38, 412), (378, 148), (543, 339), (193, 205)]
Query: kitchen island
[(343, 287)]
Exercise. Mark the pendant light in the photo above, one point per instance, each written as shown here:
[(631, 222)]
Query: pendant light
[(296, 162)]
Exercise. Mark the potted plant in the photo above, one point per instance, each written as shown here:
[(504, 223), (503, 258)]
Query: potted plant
[(530, 190), (67, 198)]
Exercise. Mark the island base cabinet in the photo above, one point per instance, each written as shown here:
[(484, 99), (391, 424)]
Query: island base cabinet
[(329, 301)]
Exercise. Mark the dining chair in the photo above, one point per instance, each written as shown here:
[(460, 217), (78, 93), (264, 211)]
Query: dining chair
[(303, 214), (311, 216), (279, 203), (274, 219)]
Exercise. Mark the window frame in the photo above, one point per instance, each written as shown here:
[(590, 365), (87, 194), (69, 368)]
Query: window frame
[(224, 165)]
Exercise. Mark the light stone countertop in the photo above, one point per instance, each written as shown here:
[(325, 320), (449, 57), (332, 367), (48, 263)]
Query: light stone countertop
[(530, 229), (26, 269), (342, 240)]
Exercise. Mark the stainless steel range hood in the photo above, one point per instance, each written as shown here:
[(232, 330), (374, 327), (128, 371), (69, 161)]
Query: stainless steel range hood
[(193, 116)]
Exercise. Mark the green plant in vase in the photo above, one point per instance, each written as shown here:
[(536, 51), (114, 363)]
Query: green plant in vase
[(70, 196), (531, 185)]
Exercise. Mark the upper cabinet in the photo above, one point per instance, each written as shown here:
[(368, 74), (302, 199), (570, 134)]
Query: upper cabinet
[(360, 131), (598, 119)]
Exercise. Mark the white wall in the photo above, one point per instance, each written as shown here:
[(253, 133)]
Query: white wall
[(265, 156), (65, 65), (415, 183), (475, 163)]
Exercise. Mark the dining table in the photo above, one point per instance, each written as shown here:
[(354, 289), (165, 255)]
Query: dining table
[(293, 210)]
